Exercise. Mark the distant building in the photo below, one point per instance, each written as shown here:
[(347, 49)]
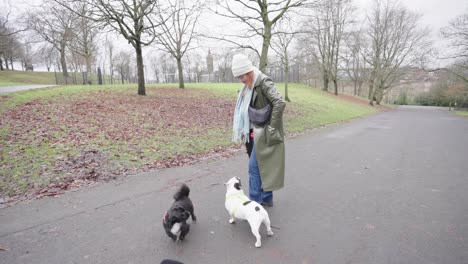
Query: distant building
[(415, 82)]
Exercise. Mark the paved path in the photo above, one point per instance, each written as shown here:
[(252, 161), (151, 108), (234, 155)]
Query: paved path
[(9, 89), (390, 188)]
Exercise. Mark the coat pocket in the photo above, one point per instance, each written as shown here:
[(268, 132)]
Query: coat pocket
[(273, 137)]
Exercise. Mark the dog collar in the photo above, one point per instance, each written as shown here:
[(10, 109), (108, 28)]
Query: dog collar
[(242, 196)]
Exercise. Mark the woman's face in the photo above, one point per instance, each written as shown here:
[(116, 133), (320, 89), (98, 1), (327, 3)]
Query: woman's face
[(246, 79)]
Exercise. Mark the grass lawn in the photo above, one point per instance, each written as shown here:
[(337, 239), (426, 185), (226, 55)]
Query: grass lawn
[(52, 138), (8, 78), (462, 113), (308, 108)]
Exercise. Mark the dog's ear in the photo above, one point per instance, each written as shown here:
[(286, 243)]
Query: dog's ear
[(238, 184)]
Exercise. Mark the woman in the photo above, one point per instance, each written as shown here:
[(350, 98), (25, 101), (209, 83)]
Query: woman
[(264, 142)]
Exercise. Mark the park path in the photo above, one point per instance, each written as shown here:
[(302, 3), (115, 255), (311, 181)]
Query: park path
[(388, 188), (16, 88)]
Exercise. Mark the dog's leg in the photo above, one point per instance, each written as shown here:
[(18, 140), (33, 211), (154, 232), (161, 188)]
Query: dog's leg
[(194, 218), (255, 226), (266, 222), (168, 231), (171, 235), (232, 219), (184, 231)]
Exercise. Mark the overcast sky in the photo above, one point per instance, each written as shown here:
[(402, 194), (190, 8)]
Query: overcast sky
[(435, 13)]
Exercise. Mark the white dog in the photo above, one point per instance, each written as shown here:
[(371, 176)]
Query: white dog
[(240, 206)]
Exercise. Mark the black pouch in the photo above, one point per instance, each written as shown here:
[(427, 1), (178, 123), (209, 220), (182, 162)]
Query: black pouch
[(260, 116), (250, 143)]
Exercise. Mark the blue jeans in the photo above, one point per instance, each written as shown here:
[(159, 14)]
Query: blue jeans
[(256, 192)]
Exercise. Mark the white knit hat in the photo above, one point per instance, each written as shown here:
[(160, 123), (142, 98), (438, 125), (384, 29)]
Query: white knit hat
[(241, 65)]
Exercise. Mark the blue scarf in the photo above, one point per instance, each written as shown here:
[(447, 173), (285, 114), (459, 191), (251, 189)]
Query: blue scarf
[(241, 123)]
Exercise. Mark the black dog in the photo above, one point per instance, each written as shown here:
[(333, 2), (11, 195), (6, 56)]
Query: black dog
[(175, 220)]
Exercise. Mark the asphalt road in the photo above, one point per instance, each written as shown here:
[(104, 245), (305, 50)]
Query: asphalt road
[(389, 188), (9, 89)]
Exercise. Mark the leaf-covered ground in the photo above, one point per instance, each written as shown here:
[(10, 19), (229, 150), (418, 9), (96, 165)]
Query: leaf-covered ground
[(54, 140), (55, 144)]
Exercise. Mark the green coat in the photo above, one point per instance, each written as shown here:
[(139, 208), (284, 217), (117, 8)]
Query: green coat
[(269, 145)]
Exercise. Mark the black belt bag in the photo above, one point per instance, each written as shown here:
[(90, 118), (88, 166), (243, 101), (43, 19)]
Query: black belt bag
[(260, 116)]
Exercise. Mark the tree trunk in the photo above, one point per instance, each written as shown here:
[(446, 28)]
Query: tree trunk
[(359, 88), (99, 76), (88, 69), (371, 94), (286, 81), (63, 63), (181, 72), (355, 88), (378, 95), (335, 84), (111, 71), (325, 81), (265, 46), (140, 70)]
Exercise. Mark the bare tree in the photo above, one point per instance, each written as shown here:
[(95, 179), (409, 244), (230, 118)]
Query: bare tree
[(108, 61), (178, 30), (341, 16), (327, 27), (25, 56), (10, 46), (224, 57), (86, 36), (456, 33), (54, 24), (132, 19), (6, 30), (285, 35), (4, 33), (10, 49), (209, 64), (397, 43), (155, 67), (75, 63), (47, 54), (168, 68), (194, 66), (199, 67), (354, 64), (259, 17), (122, 65)]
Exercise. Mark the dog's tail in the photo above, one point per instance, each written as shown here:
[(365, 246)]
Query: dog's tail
[(182, 192)]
